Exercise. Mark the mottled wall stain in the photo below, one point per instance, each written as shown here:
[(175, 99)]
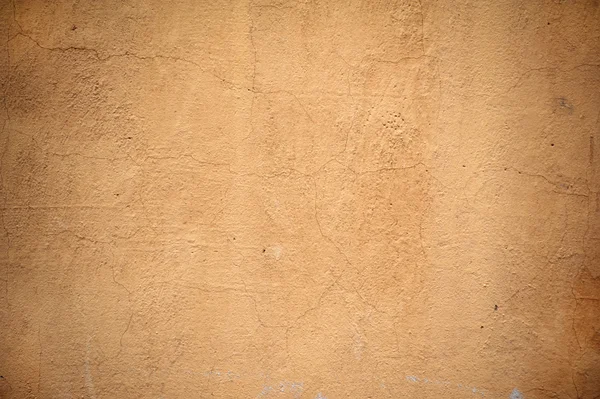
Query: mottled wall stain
[(314, 199)]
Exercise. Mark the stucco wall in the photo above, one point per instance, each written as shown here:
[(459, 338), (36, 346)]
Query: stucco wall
[(300, 199)]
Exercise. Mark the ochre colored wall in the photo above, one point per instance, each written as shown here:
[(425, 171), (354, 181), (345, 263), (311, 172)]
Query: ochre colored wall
[(300, 199)]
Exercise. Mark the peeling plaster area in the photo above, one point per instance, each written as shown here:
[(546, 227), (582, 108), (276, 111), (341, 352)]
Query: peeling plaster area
[(300, 199)]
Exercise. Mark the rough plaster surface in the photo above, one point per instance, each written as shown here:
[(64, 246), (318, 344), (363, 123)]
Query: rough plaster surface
[(300, 199)]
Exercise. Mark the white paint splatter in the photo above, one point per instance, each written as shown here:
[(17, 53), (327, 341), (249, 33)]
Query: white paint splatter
[(265, 391), (277, 251), (359, 346), (217, 374), (295, 388), (516, 394), (428, 381), (320, 396)]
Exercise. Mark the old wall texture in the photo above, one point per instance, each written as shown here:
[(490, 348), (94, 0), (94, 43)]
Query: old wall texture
[(300, 199)]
